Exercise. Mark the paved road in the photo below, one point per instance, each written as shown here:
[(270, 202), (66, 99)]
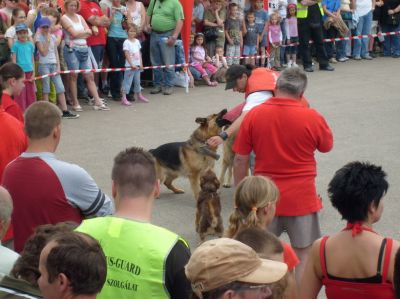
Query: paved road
[(360, 100)]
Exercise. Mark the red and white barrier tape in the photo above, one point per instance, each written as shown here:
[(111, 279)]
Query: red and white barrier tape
[(107, 70)]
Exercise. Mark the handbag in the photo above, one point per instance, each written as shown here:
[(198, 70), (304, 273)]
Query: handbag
[(393, 19), (347, 15), (211, 33)]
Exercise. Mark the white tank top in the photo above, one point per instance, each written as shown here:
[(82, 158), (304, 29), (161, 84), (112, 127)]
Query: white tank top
[(77, 27)]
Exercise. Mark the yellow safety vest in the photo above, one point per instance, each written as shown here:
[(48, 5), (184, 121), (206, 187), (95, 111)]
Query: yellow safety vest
[(136, 255), (302, 11)]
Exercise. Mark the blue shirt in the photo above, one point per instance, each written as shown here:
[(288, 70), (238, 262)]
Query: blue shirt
[(331, 5), (261, 16), (24, 52), (115, 29)]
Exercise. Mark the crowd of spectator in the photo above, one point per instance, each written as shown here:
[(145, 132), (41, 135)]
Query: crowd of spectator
[(46, 36)]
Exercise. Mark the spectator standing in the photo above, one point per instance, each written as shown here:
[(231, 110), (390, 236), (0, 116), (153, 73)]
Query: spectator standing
[(251, 38), (292, 36), (214, 19), (309, 20), (72, 265), (164, 21), (76, 53), (9, 6), (8, 257), (363, 15), (18, 17), (49, 62), (156, 256), (197, 16), (390, 22), (46, 190), (331, 16), (133, 60), (357, 191), (4, 48), (261, 16), (35, 14), (233, 34), (292, 169), (343, 47), (115, 39), (22, 53), (275, 38)]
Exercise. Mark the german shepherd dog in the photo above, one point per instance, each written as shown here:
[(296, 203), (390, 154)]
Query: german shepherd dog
[(191, 158), (208, 214)]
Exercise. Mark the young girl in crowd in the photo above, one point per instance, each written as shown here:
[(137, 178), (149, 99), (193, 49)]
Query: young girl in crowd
[(49, 62), (12, 77), (275, 39), (255, 203), (133, 59), (18, 17), (22, 53), (251, 38), (292, 36), (200, 61)]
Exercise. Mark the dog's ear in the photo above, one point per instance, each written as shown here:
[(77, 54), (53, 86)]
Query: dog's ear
[(222, 122), (201, 120), (222, 112)]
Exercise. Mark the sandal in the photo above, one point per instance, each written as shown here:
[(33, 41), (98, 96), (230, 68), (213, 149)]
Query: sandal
[(77, 108), (101, 107)]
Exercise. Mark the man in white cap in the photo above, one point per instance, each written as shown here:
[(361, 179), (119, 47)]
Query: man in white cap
[(225, 268)]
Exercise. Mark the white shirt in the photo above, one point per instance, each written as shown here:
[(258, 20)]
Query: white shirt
[(133, 47), (7, 260), (256, 98), (363, 7)]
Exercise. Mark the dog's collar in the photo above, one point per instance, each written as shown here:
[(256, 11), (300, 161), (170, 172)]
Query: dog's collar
[(203, 148)]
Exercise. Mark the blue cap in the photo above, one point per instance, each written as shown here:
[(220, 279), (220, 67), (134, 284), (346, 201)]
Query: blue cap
[(21, 27), (44, 22)]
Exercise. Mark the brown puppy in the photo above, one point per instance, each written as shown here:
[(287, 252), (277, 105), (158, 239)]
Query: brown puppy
[(191, 158), (208, 214)]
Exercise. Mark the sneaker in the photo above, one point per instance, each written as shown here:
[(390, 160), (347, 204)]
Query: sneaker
[(142, 98), (308, 69), (343, 59), (105, 89), (168, 91), (156, 89), (68, 114), (101, 107), (125, 102), (294, 64), (367, 57), (289, 64), (357, 57), (130, 97), (333, 60), (327, 67), (77, 108)]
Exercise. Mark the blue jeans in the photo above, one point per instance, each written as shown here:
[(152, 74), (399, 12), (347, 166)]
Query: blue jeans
[(77, 58), (283, 49), (116, 57), (48, 68), (363, 28), (341, 46), (391, 45), (129, 76), (162, 54)]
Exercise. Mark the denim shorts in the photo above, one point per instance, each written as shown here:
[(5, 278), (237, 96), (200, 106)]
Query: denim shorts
[(249, 50), (48, 68), (77, 58)]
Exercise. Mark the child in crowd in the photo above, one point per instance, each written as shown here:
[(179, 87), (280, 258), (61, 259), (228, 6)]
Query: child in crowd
[(261, 16), (233, 34), (292, 36), (255, 203), (22, 53), (18, 17), (219, 61), (251, 38), (275, 39), (49, 62), (201, 62), (12, 82), (133, 59)]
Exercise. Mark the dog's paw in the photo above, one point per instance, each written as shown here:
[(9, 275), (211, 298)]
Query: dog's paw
[(226, 185)]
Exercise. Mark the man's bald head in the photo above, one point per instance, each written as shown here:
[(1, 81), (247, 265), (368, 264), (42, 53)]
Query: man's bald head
[(6, 207)]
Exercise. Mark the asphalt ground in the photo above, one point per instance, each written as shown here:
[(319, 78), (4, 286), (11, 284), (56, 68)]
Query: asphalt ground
[(360, 100)]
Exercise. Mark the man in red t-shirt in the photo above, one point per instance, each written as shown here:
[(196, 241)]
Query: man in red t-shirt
[(284, 134)]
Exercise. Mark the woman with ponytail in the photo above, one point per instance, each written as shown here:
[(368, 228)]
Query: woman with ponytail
[(255, 201)]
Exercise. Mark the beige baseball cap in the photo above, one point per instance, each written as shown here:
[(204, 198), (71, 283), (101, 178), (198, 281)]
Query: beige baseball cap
[(219, 262)]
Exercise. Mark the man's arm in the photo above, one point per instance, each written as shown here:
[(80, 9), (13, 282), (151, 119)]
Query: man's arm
[(240, 168), (172, 39)]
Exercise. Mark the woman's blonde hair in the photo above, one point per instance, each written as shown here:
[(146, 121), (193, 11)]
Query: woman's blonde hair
[(78, 4), (252, 193)]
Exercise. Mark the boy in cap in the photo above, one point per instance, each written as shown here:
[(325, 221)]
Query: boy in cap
[(226, 268)]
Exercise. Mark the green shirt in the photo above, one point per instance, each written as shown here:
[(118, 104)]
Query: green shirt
[(165, 14)]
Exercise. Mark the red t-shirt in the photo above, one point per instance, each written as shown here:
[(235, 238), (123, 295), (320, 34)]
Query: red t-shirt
[(11, 107), (284, 136), (89, 9), (289, 256)]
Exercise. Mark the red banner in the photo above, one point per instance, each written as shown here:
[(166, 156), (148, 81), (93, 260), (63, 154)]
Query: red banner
[(187, 25)]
